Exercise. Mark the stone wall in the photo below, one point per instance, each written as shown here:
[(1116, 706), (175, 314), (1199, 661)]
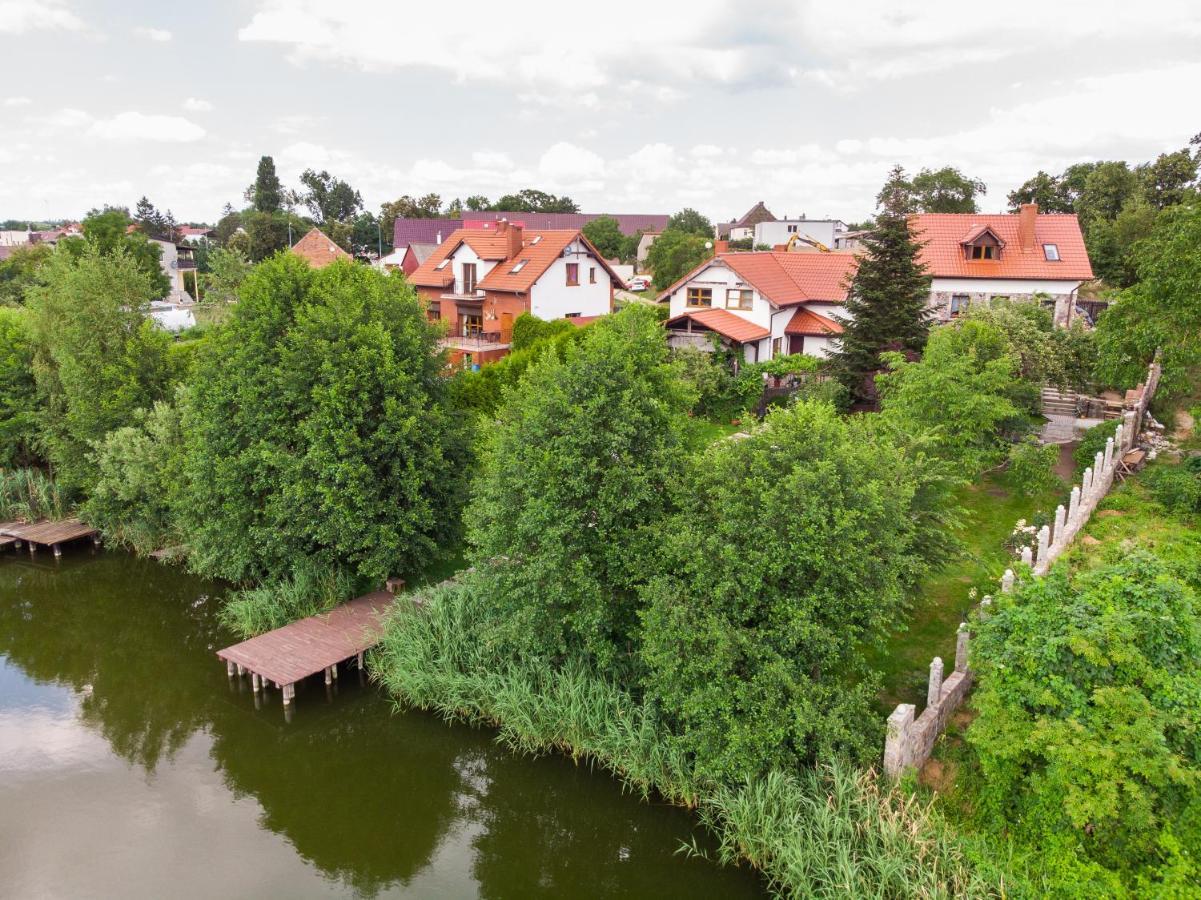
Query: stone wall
[(909, 741), (940, 302)]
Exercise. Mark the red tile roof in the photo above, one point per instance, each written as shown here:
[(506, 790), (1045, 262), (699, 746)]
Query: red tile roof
[(724, 323), (806, 321), (318, 250), (944, 233), (787, 278)]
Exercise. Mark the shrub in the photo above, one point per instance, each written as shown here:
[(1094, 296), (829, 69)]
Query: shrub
[(1032, 467), (30, 494), (528, 330), (308, 590), (1093, 442), (18, 390), (1178, 488)]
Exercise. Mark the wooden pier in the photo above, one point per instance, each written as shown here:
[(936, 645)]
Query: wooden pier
[(46, 534), (303, 648)]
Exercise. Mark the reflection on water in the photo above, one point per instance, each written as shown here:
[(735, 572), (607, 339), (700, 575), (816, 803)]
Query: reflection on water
[(131, 766)]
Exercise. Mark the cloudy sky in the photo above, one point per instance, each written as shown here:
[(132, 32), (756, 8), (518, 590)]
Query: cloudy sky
[(627, 105)]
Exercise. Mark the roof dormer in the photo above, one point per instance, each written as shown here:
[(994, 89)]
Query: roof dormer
[(982, 243)]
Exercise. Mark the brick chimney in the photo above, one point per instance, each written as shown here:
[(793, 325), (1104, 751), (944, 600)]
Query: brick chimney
[(1026, 219), (721, 247), (515, 235)]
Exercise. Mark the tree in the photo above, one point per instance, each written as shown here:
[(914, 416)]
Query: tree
[(772, 579), (427, 207), (958, 397), (329, 199), (605, 235), (1111, 243), (477, 202), (1087, 698), (266, 234), (1171, 179), (1045, 190), (367, 235), (227, 225), (1162, 310), (108, 230), (228, 268), (267, 194), (98, 356), (689, 221), (19, 272), (1106, 189), (18, 391), (531, 200), (150, 221), (318, 430), (675, 253), (573, 475), (945, 190), (889, 298)]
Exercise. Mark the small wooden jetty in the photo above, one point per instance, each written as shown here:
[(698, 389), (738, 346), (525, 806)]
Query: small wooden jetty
[(303, 648), (46, 534)]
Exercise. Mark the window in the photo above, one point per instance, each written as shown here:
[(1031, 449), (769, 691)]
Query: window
[(517, 268), (777, 345), (592, 275), (700, 296), (571, 315), (536, 238), (739, 299), (573, 274), (468, 278), (1051, 252), (959, 304), (442, 265), (985, 251), (792, 229)]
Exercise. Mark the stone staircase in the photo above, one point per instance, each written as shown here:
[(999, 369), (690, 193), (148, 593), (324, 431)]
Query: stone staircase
[(1059, 403)]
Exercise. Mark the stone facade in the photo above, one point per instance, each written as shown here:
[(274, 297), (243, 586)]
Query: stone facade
[(940, 302)]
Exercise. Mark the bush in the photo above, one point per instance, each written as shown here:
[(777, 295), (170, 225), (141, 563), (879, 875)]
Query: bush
[(18, 390), (1032, 467), (30, 494), (309, 589), (1093, 442), (1178, 488), (528, 330), (1088, 699)]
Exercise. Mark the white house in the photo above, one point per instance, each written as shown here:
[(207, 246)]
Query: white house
[(742, 228), (762, 304), (976, 258), (822, 231), (480, 280)]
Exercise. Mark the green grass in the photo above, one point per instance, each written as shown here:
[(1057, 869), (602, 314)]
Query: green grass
[(30, 494), (704, 432), (943, 598)]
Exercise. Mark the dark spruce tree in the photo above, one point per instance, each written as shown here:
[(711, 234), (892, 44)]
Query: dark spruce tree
[(888, 305), (267, 193)]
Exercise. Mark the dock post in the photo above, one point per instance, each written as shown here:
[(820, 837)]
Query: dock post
[(254, 681), (328, 677), (241, 670), (289, 691), (229, 668), (360, 659), (58, 551), (334, 669)]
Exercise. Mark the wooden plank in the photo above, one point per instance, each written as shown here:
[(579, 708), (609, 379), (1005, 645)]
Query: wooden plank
[(48, 533), (303, 648)]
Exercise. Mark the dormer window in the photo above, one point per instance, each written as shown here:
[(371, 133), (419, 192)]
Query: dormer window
[(984, 251), (982, 243), (1051, 252)]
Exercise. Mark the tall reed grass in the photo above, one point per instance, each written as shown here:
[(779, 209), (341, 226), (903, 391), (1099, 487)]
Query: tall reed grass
[(309, 590), (825, 833), (31, 494)]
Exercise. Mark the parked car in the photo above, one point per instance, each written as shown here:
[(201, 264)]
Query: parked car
[(638, 283)]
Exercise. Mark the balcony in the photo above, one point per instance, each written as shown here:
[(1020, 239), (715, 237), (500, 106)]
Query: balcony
[(183, 263), (475, 341)]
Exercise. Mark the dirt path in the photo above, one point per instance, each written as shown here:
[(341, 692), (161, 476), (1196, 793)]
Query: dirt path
[(1184, 426)]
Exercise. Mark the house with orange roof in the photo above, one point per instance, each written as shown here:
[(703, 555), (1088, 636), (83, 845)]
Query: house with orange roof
[(480, 279), (1027, 255), (318, 250), (762, 304)]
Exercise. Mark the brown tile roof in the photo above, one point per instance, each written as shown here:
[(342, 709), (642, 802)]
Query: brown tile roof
[(318, 250), (806, 321), (944, 233), (787, 278), (724, 323), (753, 216)]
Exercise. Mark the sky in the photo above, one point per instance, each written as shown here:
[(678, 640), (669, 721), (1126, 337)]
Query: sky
[(626, 106)]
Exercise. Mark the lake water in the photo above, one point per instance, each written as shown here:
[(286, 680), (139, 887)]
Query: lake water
[(130, 766)]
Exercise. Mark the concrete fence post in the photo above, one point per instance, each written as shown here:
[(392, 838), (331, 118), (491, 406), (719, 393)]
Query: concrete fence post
[(1109, 454), (1130, 427), (1119, 439), (934, 689), (1007, 581), (1027, 556), (896, 740), (1074, 506), (1061, 516), (1044, 542), (1098, 474), (1086, 485), (961, 647)]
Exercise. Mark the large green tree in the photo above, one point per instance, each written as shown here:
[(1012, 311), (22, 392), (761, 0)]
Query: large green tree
[(329, 199), (605, 235), (266, 194), (18, 390), (98, 356), (317, 429), (573, 479), (674, 253), (945, 190), (889, 299), (108, 231), (792, 552), (533, 200), (19, 272), (689, 221)]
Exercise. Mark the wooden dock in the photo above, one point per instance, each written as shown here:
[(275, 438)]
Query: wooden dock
[(46, 534), (319, 643)]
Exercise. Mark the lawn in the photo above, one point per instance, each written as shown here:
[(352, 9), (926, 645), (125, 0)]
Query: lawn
[(943, 599), (704, 432)]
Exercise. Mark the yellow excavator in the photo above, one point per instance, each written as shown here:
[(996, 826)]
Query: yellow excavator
[(797, 238)]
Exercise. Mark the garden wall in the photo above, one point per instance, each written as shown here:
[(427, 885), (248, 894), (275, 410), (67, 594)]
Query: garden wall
[(909, 741)]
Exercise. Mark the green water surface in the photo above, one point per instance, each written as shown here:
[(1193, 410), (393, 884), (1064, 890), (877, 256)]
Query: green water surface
[(130, 766)]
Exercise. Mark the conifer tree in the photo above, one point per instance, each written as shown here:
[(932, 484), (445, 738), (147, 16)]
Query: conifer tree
[(888, 305), (267, 193)]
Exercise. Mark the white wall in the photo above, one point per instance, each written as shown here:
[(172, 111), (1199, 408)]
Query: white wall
[(773, 233), (1003, 286), (552, 298), (465, 255), (721, 278)]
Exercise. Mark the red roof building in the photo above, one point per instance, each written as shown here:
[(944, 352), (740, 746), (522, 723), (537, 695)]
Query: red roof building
[(478, 281), (318, 250), (974, 258)]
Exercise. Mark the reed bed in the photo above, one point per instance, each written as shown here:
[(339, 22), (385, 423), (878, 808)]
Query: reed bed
[(31, 494), (306, 592), (830, 832)]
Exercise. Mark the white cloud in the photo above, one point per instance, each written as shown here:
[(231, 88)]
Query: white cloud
[(136, 126), (194, 104), (158, 35), (23, 16), (16, 101), (705, 151), (490, 159), (565, 164)]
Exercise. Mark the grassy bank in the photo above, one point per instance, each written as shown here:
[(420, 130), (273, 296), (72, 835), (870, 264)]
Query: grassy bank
[(31, 494), (826, 832)]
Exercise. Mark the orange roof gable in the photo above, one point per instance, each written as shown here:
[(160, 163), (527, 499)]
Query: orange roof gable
[(806, 321), (318, 250), (724, 323), (538, 250), (943, 234), (786, 278)]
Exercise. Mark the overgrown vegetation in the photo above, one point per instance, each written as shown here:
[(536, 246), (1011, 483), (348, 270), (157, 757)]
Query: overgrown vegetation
[(30, 494), (309, 589)]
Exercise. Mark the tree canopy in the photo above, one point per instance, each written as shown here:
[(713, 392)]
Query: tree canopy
[(674, 253), (108, 231), (329, 199), (605, 235), (945, 190), (689, 221), (267, 194)]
